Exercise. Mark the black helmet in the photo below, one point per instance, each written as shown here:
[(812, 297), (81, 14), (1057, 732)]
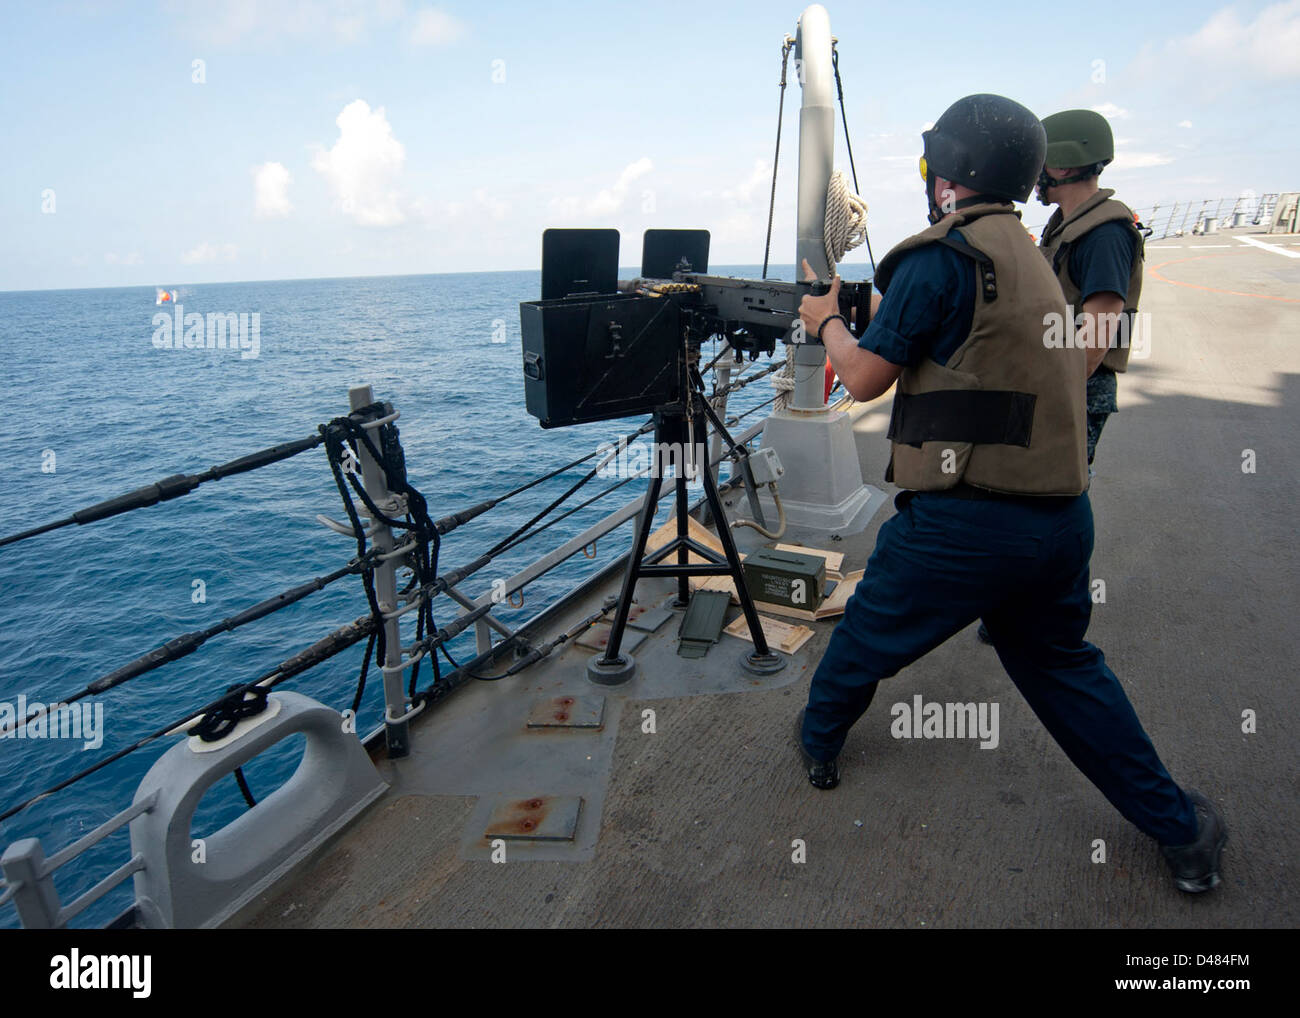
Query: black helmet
[(988, 143)]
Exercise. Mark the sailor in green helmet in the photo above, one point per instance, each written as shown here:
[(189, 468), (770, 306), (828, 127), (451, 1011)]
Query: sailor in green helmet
[(988, 444), (1095, 249)]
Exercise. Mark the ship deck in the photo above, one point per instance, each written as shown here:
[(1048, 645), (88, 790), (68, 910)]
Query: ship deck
[(694, 824)]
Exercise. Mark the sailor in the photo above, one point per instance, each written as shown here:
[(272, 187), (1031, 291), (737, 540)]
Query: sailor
[(988, 443), (1095, 249)]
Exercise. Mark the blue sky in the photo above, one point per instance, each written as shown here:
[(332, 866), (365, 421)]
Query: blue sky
[(337, 139)]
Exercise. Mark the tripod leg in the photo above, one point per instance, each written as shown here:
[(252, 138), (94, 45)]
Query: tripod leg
[(633, 570), (683, 531), (762, 661)]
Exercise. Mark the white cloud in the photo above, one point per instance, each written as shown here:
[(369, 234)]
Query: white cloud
[(494, 207), (1110, 111), (363, 167), (1266, 47), (757, 184), (113, 258), (1184, 123), (1139, 160), (271, 191), (206, 252), (434, 27), (608, 200)]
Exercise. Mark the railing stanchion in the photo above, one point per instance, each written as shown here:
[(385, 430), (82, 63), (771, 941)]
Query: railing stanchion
[(35, 897), (372, 476)]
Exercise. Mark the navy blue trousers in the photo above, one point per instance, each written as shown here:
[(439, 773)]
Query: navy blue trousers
[(1022, 567)]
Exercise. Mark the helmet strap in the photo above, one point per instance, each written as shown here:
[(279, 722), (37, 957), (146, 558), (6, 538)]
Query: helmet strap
[(1045, 181)]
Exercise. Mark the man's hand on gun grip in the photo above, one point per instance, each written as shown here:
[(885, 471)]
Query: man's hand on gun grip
[(814, 311)]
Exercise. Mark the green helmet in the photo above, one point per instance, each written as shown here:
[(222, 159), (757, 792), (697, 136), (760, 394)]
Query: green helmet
[(1078, 138)]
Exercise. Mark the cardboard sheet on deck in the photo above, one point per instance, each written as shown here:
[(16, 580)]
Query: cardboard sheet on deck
[(780, 635), (698, 533)]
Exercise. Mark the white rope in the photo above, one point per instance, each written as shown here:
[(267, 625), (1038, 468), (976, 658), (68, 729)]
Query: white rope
[(783, 380), (846, 219)]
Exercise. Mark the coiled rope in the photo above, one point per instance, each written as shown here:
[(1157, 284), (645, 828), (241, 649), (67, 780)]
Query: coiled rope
[(845, 226)]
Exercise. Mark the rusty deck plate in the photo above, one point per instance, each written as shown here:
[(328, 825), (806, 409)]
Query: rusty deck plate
[(649, 619), (568, 712), (596, 637), (542, 818)]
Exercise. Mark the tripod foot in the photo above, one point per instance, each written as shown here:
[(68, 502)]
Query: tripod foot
[(761, 664), (611, 673)]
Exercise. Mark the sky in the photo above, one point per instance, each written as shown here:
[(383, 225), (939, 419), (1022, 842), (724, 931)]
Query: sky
[(190, 142)]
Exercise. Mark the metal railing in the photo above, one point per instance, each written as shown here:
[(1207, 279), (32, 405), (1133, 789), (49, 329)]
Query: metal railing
[(28, 874), (1180, 217), (1174, 219)]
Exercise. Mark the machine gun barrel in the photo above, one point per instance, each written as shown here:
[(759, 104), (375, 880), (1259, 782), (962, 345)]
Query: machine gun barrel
[(771, 304)]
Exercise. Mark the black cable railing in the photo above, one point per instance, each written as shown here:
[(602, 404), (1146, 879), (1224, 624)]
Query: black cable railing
[(218, 717)]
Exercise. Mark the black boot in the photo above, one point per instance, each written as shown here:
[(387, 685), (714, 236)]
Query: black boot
[(1196, 865), (820, 775)]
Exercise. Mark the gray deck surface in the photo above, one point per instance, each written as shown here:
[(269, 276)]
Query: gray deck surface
[(693, 825)]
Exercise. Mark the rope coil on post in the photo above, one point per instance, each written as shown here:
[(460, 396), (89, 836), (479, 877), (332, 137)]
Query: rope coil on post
[(846, 219)]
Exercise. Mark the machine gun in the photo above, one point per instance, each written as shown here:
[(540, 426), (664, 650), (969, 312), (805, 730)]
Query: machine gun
[(596, 349)]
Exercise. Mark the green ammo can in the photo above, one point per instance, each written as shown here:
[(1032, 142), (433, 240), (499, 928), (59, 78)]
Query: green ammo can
[(786, 577)]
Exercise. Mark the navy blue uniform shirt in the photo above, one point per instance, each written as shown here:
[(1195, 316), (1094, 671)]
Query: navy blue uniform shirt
[(1102, 259), (927, 310)]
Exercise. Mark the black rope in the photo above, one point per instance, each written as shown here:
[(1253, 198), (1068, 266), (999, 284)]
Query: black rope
[(216, 724), (171, 487), (776, 156), (361, 681), (243, 787), (839, 87)]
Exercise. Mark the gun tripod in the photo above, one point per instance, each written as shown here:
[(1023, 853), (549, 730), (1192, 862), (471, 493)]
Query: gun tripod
[(676, 426)]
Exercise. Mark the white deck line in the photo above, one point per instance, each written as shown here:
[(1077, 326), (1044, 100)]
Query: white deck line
[(1269, 247)]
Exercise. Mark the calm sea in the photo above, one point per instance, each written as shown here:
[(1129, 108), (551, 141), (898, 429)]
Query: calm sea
[(96, 410)]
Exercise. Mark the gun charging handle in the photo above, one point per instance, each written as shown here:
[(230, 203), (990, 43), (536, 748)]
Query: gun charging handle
[(854, 302)]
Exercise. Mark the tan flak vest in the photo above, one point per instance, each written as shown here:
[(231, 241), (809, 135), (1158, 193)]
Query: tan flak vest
[(1006, 413), (1060, 233)]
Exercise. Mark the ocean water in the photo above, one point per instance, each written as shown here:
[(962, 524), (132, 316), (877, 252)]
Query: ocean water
[(97, 410)]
